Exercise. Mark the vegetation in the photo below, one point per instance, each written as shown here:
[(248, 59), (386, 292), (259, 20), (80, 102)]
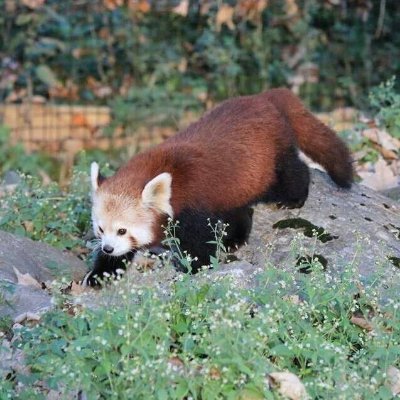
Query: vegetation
[(48, 213), (213, 340), (124, 54)]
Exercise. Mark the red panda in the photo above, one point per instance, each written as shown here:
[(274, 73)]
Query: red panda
[(242, 152)]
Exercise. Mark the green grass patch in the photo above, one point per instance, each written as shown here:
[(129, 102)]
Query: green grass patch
[(214, 340)]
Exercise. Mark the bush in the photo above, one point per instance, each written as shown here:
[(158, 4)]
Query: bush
[(386, 103), (47, 213), (146, 52)]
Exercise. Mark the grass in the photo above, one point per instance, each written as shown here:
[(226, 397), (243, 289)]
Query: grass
[(213, 340)]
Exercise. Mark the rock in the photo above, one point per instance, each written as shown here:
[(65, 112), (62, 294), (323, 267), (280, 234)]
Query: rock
[(356, 227), (42, 262), (393, 193), (11, 178)]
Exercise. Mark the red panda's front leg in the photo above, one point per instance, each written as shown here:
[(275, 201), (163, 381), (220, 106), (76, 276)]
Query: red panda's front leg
[(106, 266)]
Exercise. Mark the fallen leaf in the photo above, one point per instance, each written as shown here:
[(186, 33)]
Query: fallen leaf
[(26, 279), (77, 289), (113, 4), (225, 16), (382, 138), (176, 363), (288, 385), (294, 299), (26, 316), (215, 373), (32, 4), (362, 323), (393, 375), (251, 9), (182, 8), (291, 8), (382, 178), (142, 6), (28, 225)]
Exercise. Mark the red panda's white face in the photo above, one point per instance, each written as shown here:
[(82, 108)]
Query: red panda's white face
[(124, 223)]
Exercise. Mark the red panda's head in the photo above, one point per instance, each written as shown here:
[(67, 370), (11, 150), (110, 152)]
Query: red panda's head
[(125, 221)]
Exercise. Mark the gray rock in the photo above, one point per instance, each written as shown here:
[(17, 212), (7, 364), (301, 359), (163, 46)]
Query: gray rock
[(357, 227), (393, 193), (11, 178), (42, 262)]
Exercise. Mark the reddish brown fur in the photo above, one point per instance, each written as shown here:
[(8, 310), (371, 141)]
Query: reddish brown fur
[(316, 139), (228, 158)]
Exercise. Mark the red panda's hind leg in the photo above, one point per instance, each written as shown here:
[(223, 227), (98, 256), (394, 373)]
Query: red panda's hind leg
[(293, 178)]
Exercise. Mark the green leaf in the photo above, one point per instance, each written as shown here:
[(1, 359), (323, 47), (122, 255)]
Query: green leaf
[(46, 75)]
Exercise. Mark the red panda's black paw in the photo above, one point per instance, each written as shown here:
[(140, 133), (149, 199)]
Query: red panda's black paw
[(90, 280), (290, 205)]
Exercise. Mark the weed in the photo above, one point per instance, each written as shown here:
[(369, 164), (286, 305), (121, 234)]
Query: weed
[(386, 101), (46, 213), (215, 340)]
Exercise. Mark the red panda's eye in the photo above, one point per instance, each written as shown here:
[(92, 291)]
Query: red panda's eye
[(101, 230), (121, 231)]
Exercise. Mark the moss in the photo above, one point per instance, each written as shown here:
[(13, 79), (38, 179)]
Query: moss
[(395, 261), (309, 229)]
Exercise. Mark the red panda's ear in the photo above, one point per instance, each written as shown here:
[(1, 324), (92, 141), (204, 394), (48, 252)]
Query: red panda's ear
[(95, 176), (157, 193)]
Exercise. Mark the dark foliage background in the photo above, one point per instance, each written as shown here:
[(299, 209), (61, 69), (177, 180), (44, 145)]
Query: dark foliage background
[(163, 57)]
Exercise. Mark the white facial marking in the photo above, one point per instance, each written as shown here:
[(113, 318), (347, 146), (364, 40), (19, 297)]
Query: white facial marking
[(112, 213)]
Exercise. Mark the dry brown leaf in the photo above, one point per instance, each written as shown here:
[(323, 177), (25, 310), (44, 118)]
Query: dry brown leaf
[(77, 289), (26, 279), (205, 7), (225, 16), (113, 4), (142, 6), (288, 385), (176, 362), (291, 7), (382, 138), (294, 299), (33, 4), (393, 375), (182, 8), (215, 373), (28, 225), (251, 9), (383, 177), (362, 323), (26, 316)]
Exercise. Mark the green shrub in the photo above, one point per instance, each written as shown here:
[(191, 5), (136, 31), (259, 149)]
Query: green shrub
[(46, 212), (14, 157), (385, 101)]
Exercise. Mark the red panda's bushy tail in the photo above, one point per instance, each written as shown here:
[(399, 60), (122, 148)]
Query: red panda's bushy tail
[(314, 138)]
